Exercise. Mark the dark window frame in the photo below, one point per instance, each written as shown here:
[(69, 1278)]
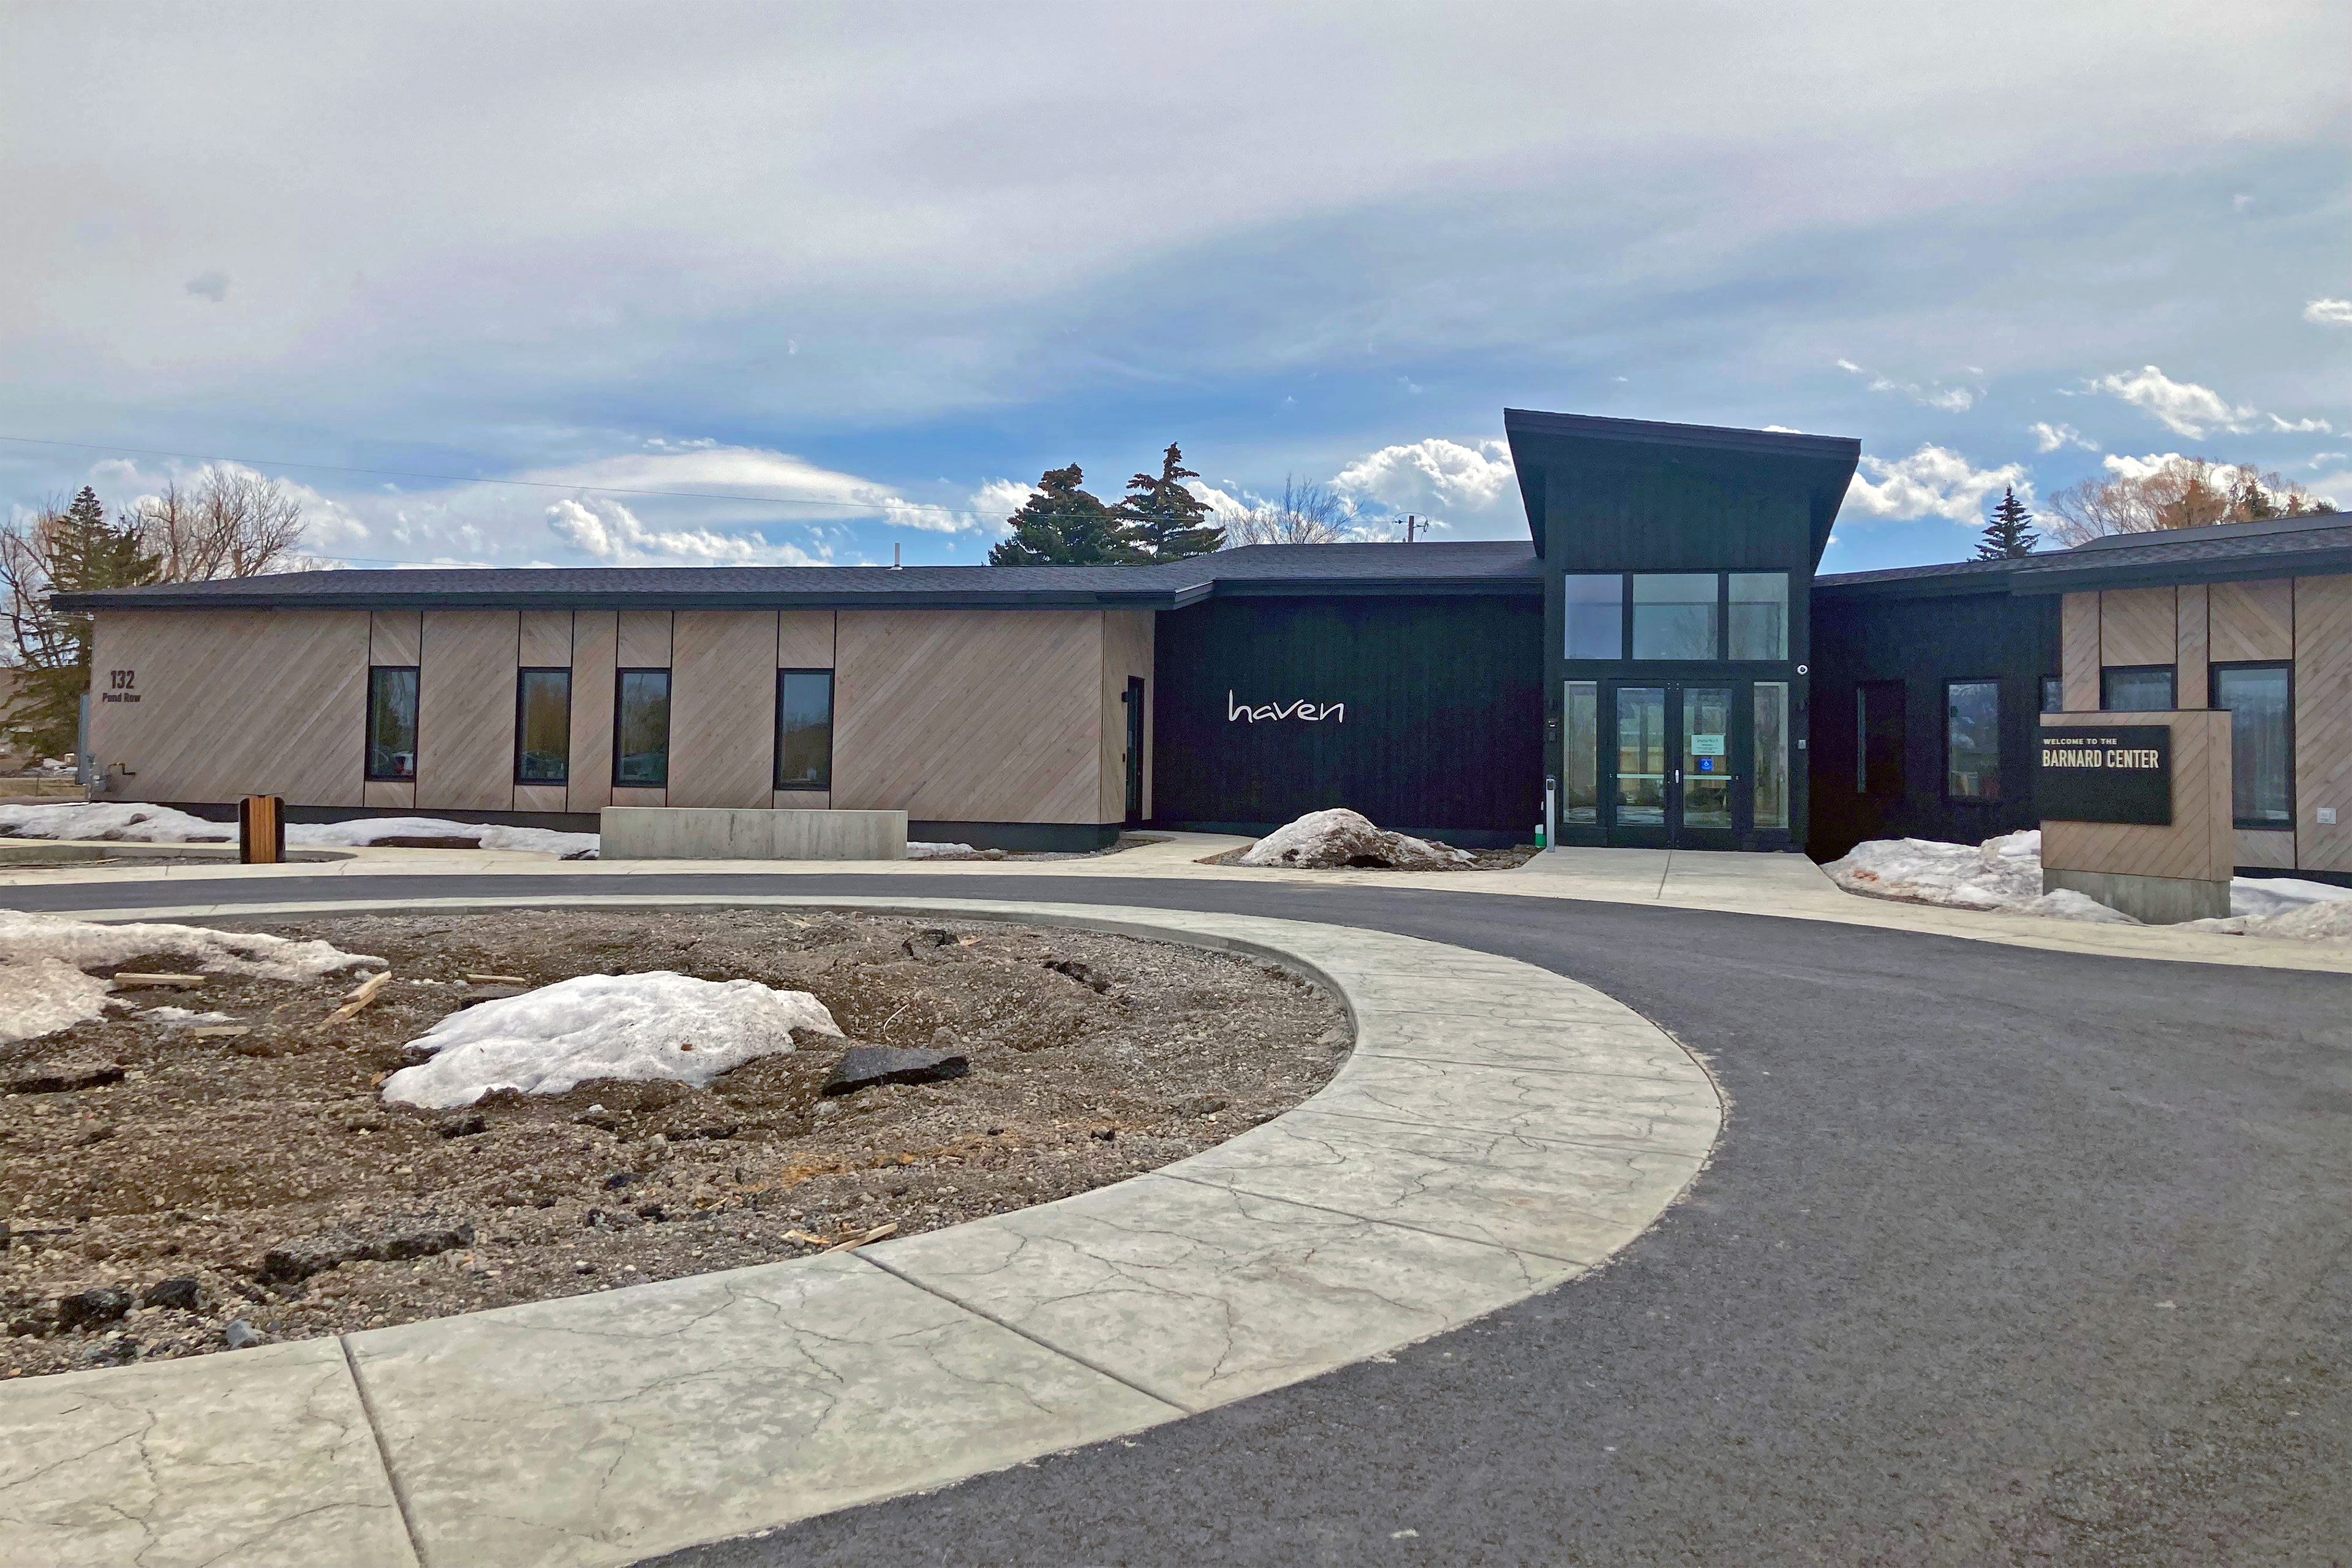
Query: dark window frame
[(368, 748), (620, 684), (564, 670), (776, 772), (2171, 670), (2213, 673), (1999, 757)]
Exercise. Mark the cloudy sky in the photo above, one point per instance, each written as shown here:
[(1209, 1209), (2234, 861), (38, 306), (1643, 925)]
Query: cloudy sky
[(702, 282)]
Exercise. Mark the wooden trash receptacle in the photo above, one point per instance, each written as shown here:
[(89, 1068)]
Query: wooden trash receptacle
[(261, 830)]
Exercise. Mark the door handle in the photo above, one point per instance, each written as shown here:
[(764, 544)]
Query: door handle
[(1678, 776)]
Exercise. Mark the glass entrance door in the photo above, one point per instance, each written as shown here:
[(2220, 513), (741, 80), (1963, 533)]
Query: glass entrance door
[(1676, 775)]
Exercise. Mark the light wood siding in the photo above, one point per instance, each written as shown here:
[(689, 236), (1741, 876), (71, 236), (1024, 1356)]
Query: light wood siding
[(2200, 845), (464, 712), (644, 639), (546, 637), (2079, 652), (2323, 722), (2136, 626), (235, 702), (393, 637), (804, 639), (2251, 621), (636, 796), (385, 794), (593, 660), (970, 715), (2265, 847), (722, 709), (540, 797), (800, 799), (1126, 651), (2192, 689)]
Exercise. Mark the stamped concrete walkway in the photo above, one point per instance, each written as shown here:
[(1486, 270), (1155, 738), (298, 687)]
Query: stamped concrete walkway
[(1497, 1129)]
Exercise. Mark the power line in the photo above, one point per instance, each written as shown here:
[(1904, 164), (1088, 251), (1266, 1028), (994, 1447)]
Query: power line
[(465, 479)]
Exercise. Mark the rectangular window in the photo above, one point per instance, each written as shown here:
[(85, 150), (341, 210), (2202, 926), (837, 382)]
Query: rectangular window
[(2260, 701), (543, 726), (1760, 615), (1881, 726), (1674, 615), (1772, 790), (1580, 758), (2053, 695), (2135, 689), (1594, 609), (641, 729), (803, 728), (1641, 756), (1972, 739), (392, 722)]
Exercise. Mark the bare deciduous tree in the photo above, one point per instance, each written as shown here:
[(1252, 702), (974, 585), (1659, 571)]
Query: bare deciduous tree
[(235, 523), (1306, 514), (2182, 493)]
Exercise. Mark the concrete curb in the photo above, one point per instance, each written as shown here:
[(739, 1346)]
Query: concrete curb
[(1497, 1129)]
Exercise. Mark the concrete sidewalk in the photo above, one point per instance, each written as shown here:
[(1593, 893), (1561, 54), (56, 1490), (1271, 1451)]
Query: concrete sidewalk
[(1497, 1129)]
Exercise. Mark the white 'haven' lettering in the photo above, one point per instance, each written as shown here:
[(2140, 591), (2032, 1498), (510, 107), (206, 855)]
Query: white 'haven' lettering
[(1303, 710)]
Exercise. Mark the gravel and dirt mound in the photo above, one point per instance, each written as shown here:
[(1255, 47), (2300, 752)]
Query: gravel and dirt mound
[(172, 1186)]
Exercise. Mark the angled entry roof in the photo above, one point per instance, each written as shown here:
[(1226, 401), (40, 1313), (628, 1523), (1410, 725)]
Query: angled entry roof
[(1505, 567)]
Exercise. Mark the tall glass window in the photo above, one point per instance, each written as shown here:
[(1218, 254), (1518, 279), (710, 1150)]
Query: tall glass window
[(803, 728), (2135, 689), (1972, 739), (1707, 756), (1771, 753), (1760, 615), (641, 729), (1640, 755), (1674, 614), (543, 726), (1595, 614), (2260, 701), (392, 722), (1579, 759)]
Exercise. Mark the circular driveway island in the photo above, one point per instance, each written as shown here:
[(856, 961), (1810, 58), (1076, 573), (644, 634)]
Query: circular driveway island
[(2003, 1255)]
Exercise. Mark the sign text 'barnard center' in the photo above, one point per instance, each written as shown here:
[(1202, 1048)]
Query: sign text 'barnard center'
[(2107, 772)]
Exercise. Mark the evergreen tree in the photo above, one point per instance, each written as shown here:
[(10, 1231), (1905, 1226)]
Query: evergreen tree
[(1167, 522), (1064, 526), (73, 550), (2010, 530)]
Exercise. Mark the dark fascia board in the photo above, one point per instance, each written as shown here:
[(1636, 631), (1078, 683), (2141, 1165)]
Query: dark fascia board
[(1387, 588), (1831, 459), (2079, 577), (942, 599), (1920, 585)]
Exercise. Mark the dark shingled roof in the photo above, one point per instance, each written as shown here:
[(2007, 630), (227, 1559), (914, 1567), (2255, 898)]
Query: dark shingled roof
[(1470, 567), (2225, 552)]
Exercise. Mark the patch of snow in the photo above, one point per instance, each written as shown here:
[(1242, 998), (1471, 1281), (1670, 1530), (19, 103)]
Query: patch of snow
[(35, 995), (941, 851), (654, 1025), (1325, 839), (2262, 896), (130, 822), (182, 1016)]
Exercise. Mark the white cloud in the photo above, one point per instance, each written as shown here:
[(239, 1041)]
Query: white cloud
[(997, 499), (2050, 438), (213, 286), (2329, 312), (1951, 399), (1933, 481), (604, 528), (2185, 407), (1430, 476), (1849, 365), (2321, 459), (2298, 427)]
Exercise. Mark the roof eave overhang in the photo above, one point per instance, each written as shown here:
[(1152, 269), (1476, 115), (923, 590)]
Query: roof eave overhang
[(2072, 578), (1145, 599)]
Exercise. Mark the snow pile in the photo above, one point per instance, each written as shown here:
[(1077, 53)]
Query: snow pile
[(653, 1026), (44, 988), (183, 1017), (1323, 839), (130, 822), (2005, 873), (941, 851)]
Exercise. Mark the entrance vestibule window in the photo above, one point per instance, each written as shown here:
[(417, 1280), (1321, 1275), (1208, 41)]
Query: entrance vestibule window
[(1579, 762), (1674, 615), (1642, 756), (803, 728), (1593, 607), (392, 722), (543, 726), (1972, 739), (641, 729), (2260, 701), (1707, 756), (2135, 689), (2053, 694), (1760, 615)]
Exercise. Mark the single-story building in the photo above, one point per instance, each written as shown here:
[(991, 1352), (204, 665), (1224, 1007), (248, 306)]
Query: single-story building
[(1657, 664)]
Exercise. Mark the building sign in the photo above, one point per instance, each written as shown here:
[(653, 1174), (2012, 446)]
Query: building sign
[(1308, 712), (2105, 772), (121, 686)]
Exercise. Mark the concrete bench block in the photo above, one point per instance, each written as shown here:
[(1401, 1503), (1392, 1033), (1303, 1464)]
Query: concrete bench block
[(697, 833)]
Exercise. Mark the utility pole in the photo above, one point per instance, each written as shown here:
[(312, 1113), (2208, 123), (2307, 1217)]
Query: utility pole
[(1410, 521)]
